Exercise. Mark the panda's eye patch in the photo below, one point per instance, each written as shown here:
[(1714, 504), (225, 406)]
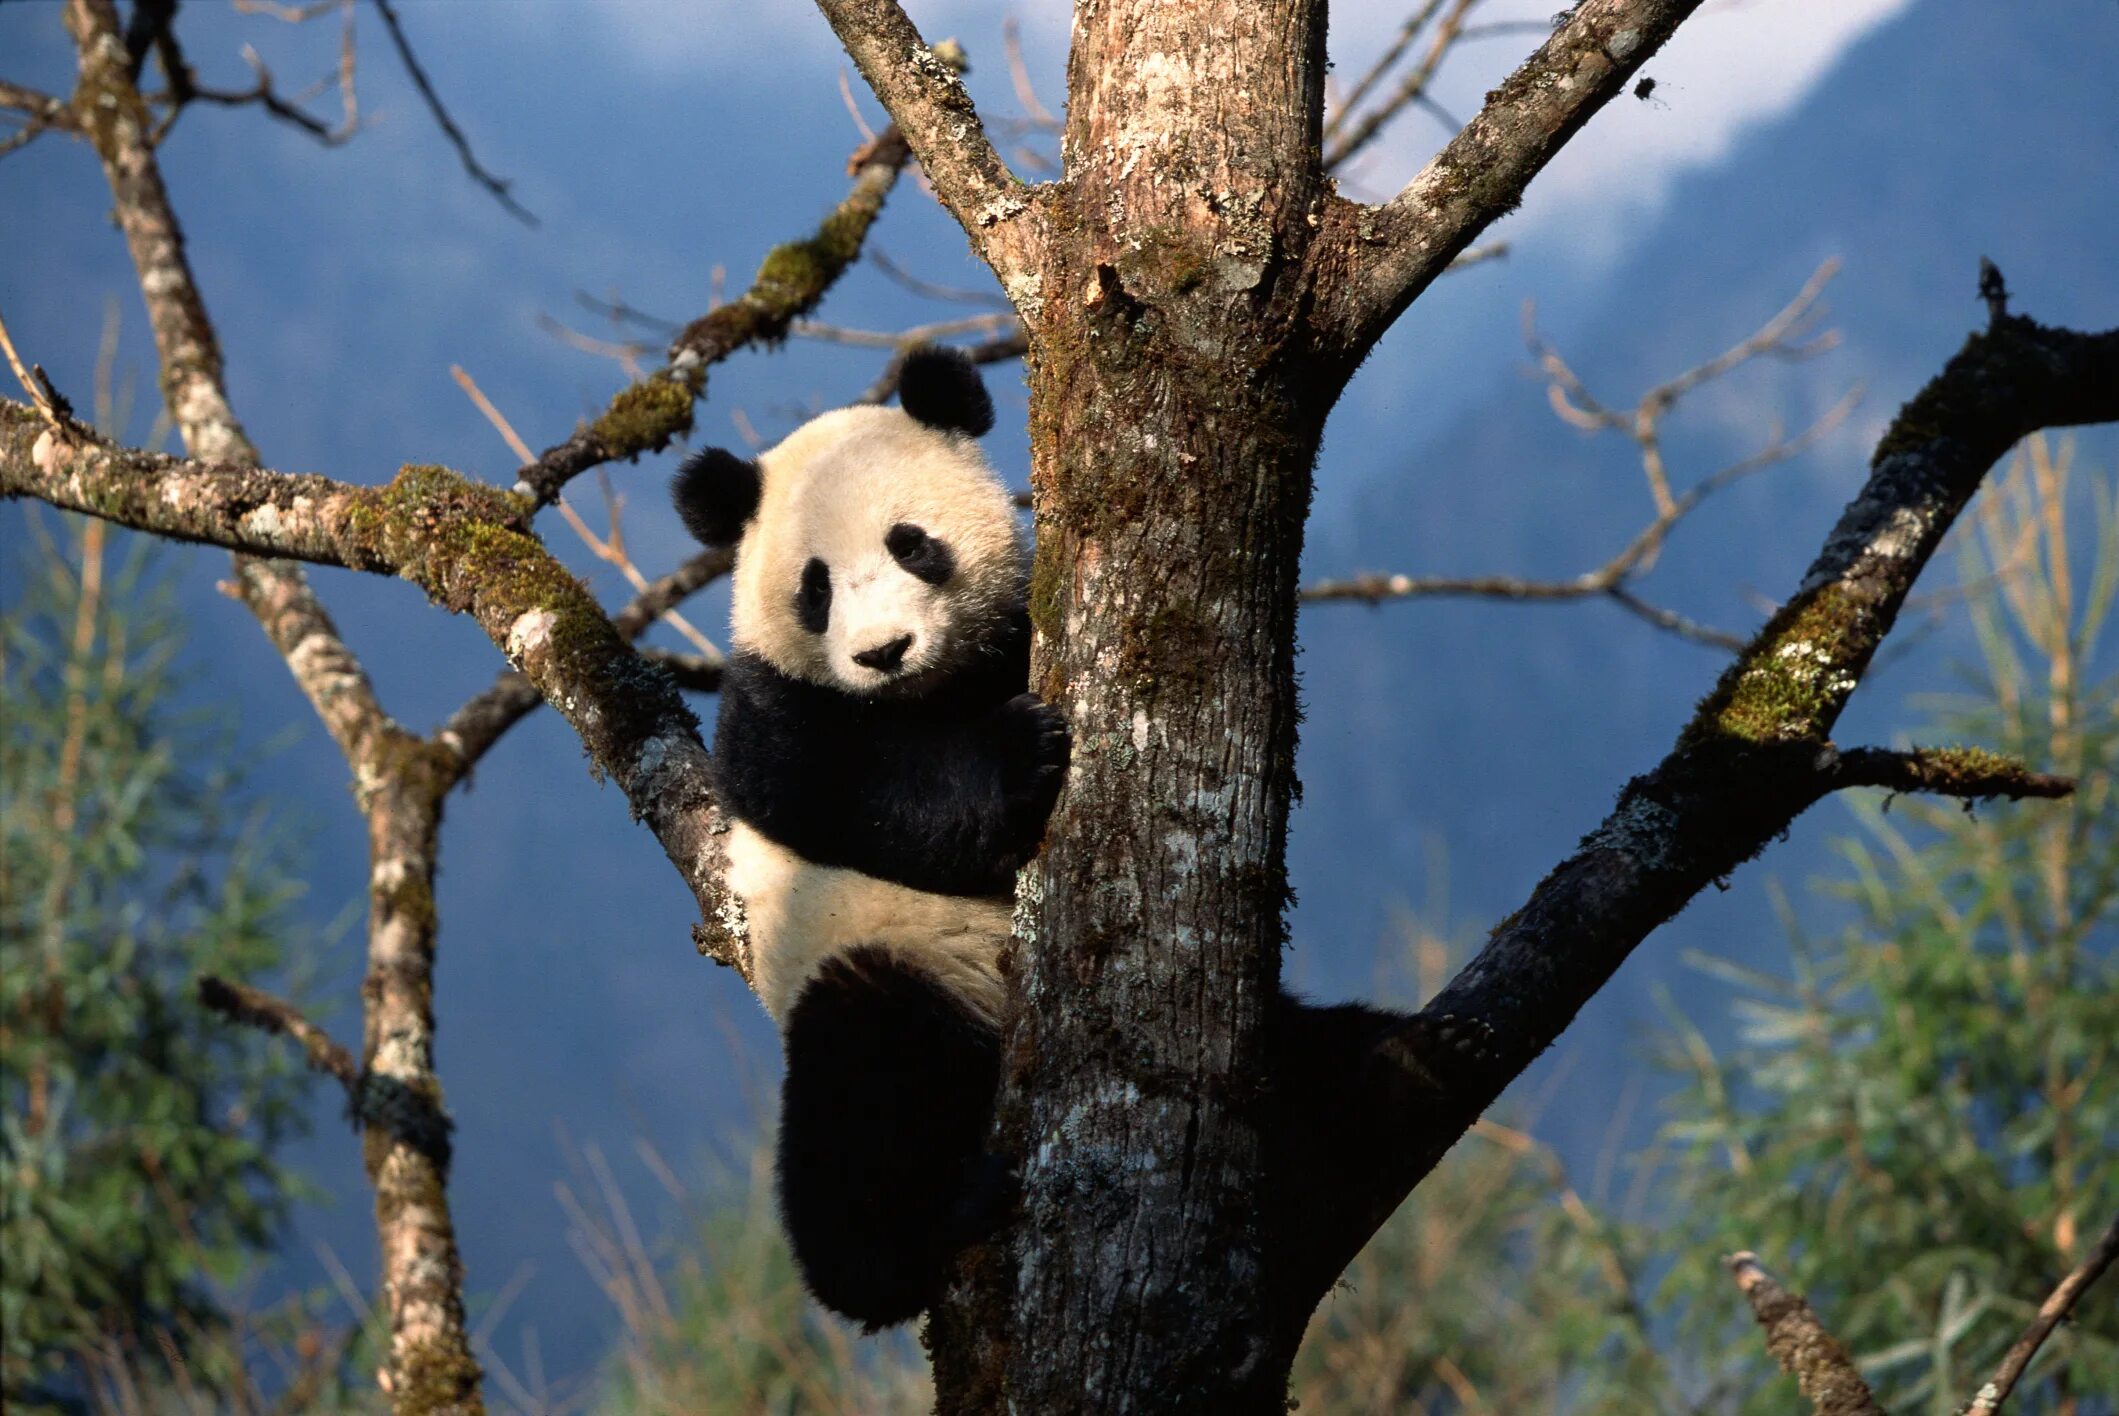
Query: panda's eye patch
[(919, 553), (813, 600)]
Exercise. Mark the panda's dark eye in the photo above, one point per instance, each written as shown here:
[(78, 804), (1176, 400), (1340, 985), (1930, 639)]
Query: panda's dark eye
[(921, 554), (813, 600)]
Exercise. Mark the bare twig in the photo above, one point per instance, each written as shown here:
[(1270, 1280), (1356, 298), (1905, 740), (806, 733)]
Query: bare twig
[(932, 290), (906, 338), (259, 1009), (1574, 404), (1411, 89), (1799, 1342), (1373, 75), (1034, 112), (499, 187), (2051, 1313), (41, 112), (263, 93)]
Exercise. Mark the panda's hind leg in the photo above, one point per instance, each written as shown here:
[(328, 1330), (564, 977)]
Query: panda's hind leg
[(884, 1113)]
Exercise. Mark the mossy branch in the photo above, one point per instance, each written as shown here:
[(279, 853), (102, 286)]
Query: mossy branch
[(1757, 752), (467, 546), (1799, 1342), (647, 415), (1969, 772)]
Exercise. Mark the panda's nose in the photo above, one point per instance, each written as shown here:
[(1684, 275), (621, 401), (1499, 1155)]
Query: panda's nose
[(885, 658)]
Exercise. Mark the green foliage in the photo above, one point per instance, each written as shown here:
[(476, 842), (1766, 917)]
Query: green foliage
[(1917, 1130), (137, 1132)]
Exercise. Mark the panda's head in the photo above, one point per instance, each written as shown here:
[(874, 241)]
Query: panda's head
[(876, 551)]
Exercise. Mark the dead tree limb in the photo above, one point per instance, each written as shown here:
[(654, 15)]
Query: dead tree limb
[(429, 1367)]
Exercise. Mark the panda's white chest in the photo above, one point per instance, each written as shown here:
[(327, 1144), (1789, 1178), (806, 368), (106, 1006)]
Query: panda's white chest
[(800, 914)]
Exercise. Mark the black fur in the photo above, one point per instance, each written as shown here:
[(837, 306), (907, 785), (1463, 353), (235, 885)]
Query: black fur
[(716, 493), (922, 556), (942, 388), (813, 597), (947, 792), (883, 1172)]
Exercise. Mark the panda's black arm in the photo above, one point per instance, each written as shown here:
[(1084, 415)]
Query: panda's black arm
[(949, 796)]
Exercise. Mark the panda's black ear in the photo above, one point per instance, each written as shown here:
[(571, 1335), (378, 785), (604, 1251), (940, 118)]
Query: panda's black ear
[(941, 388), (716, 492)]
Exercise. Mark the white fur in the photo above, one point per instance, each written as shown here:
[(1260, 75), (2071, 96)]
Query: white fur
[(800, 914), (832, 490)]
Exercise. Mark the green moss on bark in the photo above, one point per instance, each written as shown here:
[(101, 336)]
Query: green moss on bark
[(1790, 685), (645, 416)]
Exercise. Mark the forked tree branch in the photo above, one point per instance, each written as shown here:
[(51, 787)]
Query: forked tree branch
[(1395, 251), (929, 104), (1799, 1342), (1757, 753)]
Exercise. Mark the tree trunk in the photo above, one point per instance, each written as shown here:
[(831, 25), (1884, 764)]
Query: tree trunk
[(1175, 414)]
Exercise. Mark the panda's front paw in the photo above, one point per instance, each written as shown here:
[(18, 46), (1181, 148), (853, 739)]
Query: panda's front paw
[(1036, 757)]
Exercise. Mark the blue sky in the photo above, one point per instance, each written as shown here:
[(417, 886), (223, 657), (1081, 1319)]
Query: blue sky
[(657, 140)]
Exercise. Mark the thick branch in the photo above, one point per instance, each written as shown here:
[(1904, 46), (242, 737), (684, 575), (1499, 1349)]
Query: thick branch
[(253, 1006), (2050, 1315), (467, 547), (1396, 250), (930, 106), (1757, 752), (646, 415), (473, 729), (1799, 1342)]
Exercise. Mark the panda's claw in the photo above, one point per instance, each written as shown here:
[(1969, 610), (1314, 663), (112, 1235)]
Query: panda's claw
[(1038, 747)]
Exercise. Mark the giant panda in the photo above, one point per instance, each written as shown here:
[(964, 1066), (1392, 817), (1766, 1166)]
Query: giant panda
[(887, 774)]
